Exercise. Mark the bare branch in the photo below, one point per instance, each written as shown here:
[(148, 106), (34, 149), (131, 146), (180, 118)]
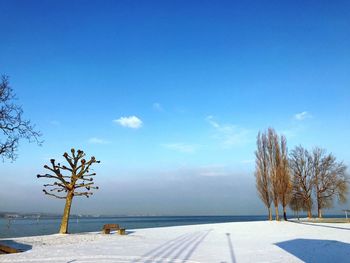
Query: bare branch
[(13, 127), (87, 194), (57, 196), (83, 185)]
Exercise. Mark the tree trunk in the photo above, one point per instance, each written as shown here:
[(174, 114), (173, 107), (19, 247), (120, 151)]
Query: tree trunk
[(309, 213), (309, 208), (285, 213), (319, 208), (276, 213), (66, 213), (270, 214)]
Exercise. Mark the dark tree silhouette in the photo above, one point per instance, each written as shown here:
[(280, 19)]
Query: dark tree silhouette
[(12, 125), (79, 182)]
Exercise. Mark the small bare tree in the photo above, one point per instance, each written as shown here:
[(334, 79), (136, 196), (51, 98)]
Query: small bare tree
[(330, 179), (12, 125), (296, 202), (68, 186), (263, 184), (301, 169)]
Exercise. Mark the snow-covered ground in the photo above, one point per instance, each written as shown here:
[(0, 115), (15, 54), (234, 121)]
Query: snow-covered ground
[(227, 242)]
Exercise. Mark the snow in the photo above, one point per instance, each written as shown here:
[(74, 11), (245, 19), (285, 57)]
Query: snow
[(261, 241)]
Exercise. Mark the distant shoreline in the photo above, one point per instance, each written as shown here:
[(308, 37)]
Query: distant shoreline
[(6, 215), (20, 227)]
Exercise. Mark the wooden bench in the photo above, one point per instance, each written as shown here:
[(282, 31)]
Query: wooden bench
[(121, 231), (108, 227), (8, 250)]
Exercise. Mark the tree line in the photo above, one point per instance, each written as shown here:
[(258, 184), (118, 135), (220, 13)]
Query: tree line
[(300, 179)]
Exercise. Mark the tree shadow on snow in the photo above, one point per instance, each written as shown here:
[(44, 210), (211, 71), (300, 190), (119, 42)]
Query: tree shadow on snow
[(319, 225), (14, 244), (232, 253), (317, 250), (179, 249)]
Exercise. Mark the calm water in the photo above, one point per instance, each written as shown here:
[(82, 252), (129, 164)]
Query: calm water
[(33, 227)]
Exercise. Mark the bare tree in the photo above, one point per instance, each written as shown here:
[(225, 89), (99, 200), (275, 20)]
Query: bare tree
[(274, 157), (296, 203), (301, 169), (263, 184), (330, 179), (272, 171), (67, 186), (12, 125), (284, 181)]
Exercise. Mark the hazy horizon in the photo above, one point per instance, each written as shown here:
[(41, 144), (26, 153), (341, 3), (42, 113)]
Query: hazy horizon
[(170, 96)]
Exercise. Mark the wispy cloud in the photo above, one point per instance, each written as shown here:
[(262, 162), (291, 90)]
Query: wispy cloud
[(95, 140), (181, 147), (157, 107), (248, 161), (213, 173), (230, 135), (129, 122), (290, 133), (55, 123), (209, 171), (302, 116)]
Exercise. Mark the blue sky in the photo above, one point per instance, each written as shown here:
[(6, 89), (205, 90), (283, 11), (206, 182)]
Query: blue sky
[(201, 79)]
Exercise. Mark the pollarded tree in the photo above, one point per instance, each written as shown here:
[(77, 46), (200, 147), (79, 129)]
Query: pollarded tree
[(12, 125), (330, 179), (262, 177), (78, 182)]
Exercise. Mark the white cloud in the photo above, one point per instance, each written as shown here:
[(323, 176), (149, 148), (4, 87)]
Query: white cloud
[(230, 135), (95, 140), (213, 123), (130, 122), (157, 107), (181, 147), (302, 116)]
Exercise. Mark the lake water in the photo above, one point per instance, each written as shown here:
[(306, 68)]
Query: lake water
[(33, 227)]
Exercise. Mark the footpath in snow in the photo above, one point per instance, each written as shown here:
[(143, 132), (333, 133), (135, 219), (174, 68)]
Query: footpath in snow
[(218, 243)]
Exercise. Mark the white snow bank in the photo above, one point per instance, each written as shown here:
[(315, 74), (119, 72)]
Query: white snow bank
[(228, 242)]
